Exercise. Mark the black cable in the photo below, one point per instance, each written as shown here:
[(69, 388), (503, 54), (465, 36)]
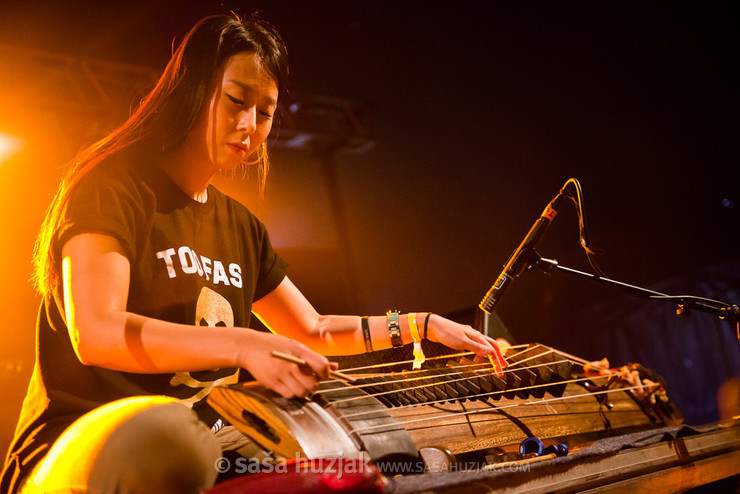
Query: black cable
[(578, 201)]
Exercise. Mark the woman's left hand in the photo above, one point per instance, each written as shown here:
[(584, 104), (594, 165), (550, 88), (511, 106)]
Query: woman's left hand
[(463, 337)]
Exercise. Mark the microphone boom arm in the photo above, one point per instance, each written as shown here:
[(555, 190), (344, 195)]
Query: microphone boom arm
[(685, 303)]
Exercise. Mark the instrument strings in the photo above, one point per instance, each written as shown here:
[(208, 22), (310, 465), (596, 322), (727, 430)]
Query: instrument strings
[(442, 401), (572, 358), (481, 370), (401, 362), (361, 430), (476, 370)]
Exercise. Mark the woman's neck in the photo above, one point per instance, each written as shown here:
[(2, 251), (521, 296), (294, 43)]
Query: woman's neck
[(188, 174)]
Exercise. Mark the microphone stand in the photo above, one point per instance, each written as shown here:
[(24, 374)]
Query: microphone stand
[(685, 303), (525, 257)]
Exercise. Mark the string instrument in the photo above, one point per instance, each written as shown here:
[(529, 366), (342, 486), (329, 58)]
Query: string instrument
[(455, 408)]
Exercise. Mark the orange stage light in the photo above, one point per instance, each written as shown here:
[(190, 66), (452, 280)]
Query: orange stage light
[(10, 145)]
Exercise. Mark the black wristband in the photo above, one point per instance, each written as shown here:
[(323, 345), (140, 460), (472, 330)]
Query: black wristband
[(366, 334), (426, 325)]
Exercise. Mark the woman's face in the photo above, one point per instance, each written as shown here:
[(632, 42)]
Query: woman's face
[(237, 118)]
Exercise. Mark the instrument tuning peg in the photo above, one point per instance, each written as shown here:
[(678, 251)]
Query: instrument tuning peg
[(559, 449)]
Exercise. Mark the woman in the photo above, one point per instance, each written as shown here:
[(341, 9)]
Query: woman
[(139, 253)]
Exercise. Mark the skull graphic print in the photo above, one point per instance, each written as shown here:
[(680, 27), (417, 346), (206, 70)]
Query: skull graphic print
[(211, 310)]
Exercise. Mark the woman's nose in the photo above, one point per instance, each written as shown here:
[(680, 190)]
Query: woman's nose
[(247, 120)]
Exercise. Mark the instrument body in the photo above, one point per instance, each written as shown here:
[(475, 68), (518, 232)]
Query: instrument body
[(456, 405)]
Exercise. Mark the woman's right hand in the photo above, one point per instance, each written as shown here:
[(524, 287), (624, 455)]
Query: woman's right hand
[(286, 378)]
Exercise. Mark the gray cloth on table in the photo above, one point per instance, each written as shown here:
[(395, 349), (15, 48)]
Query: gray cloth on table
[(601, 447)]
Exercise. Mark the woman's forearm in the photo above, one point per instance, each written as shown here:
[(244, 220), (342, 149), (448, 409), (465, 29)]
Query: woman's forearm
[(133, 343), (344, 335)]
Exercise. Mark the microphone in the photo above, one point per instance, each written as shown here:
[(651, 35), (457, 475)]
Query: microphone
[(521, 257)]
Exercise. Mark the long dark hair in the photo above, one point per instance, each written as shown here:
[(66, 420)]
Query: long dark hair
[(167, 114)]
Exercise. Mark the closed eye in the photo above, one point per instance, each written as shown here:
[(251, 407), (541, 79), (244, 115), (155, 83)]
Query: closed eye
[(234, 100), (239, 102)]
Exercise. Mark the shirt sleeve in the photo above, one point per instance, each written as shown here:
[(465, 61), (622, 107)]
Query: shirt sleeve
[(101, 204), (273, 268)]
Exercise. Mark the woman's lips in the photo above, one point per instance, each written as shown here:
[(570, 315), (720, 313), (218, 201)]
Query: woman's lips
[(238, 148)]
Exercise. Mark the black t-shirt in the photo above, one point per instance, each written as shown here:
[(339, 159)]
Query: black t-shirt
[(195, 263)]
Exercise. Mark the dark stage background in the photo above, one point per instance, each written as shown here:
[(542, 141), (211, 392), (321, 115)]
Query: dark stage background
[(478, 112)]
